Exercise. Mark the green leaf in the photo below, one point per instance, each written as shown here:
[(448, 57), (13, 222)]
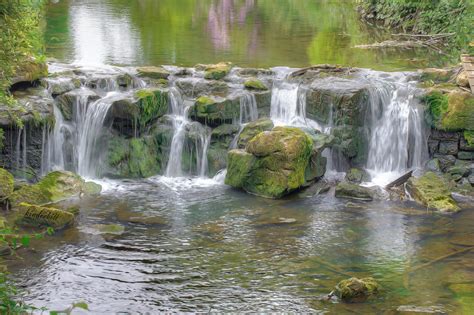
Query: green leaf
[(25, 240), (82, 305)]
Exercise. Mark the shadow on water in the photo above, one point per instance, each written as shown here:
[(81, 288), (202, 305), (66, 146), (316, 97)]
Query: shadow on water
[(193, 245)]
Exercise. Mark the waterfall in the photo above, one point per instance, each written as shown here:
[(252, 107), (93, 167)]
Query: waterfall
[(288, 107), (181, 125), (248, 113), (397, 139)]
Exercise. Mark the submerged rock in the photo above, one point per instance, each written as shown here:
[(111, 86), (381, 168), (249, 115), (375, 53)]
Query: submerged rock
[(352, 191), (112, 229), (33, 215), (432, 191), (92, 189), (7, 183), (273, 164), (356, 290), (421, 310)]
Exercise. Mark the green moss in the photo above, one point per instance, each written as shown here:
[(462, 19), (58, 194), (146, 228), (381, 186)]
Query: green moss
[(252, 129), (202, 101), (60, 185), (255, 84), (143, 160), (31, 194), (6, 184), (153, 104), (117, 151), (239, 164), (43, 216), (437, 106), (217, 71), (469, 137), (460, 112), (433, 192), (356, 290), (215, 111)]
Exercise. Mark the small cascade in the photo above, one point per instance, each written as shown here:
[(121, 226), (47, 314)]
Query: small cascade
[(248, 113), (184, 129), (397, 133), (20, 161), (288, 106)]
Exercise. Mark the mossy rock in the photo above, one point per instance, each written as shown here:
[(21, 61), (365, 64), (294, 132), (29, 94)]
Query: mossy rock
[(352, 191), (92, 189), (217, 71), (255, 84), (355, 290), (33, 215), (60, 185), (31, 194), (469, 138), (274, 163), (153, 72), (432, 191), (143, 161), (30, 70), (356, 175), (252, 129), (152, 103), (214, 111), (7, 183), (460, 112)]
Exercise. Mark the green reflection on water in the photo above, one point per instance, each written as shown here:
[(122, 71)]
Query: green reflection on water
[(249, 33)]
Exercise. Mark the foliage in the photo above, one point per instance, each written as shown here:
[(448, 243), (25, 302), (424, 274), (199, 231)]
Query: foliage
[(437, 105), (424, 17), (20, 39)]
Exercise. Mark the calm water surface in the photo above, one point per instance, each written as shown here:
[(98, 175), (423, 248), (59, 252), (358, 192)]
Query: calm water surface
[(197, 246), (249, 33)]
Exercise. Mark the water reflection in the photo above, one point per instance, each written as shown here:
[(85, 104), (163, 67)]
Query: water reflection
[(260, 33)]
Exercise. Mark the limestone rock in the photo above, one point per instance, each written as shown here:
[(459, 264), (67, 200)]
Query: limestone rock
[(432, 191)]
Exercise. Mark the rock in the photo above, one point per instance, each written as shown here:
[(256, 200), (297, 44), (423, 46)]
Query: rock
[(433, 146), (460, 168), (192, 87), (152, 104), (61, 85), (433, 165), (255, 84), (112, 229), (60, 185), (43, 216), (6, 184), (273, 164), (420, 310), (217, 71), (462, 79), (467, 141), (221, 140), (432, 191), (70, 101), (445, 161), (444, 135), (252, 129), (213, 110), (153, 72), (31, 194), (30, 70), (356, 290), (34, 107), (356, 175), (471, 179), (460, 112), (435, 75), (92, 189), (462, 155), (253, 72), (5, 249), (352, 143), (448, 147), (352, 191)]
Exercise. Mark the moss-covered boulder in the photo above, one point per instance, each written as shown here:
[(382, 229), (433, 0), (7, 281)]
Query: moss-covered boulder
[(31, 194), (356, 290), (33, 215), (30, 70), (255, 84), (432, 191), (453, 111), (152, 104), (353, 191), (213, 110), (7, 183), (60, 185), (216, 71), (273, 164), (252, 129), (153, 72)]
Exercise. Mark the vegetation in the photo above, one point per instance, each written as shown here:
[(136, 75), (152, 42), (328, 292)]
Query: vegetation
[(20, 39), (424, 17)]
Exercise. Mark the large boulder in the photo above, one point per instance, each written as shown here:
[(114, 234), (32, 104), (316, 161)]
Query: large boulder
[(252, 129), (213, 110), (432, 191), (33, 215), (273, 164)]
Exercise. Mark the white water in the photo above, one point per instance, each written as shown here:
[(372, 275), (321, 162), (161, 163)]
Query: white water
[(397, 132), (179, 116)]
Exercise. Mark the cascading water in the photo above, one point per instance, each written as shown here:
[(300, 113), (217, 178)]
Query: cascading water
[(397, 140), (179, 117), (248, 113)]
